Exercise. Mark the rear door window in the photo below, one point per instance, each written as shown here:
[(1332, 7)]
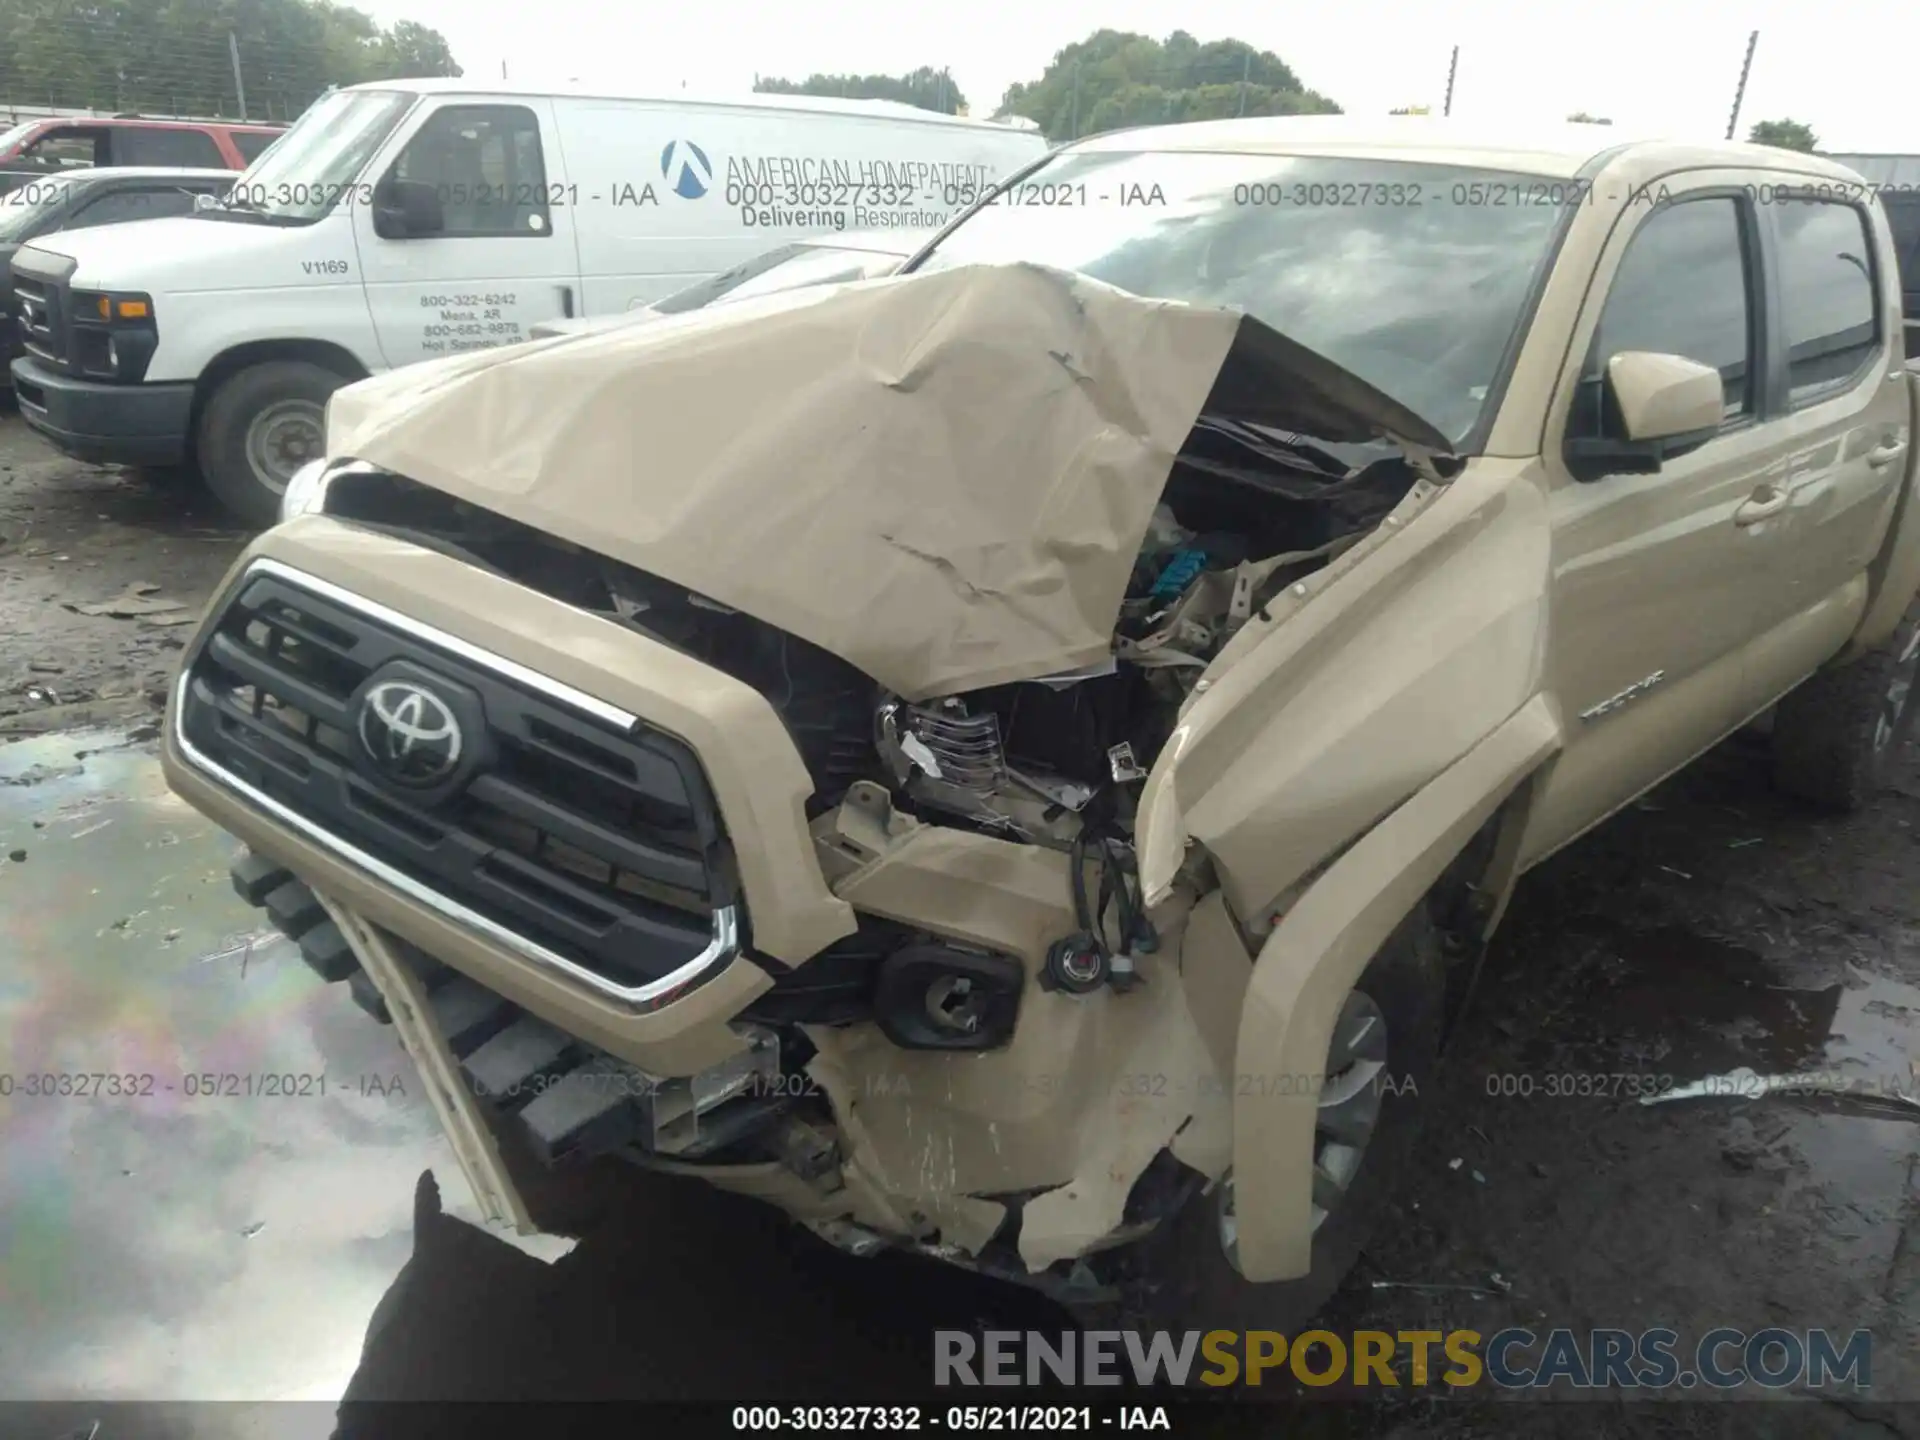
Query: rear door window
[(1829, 303), (159, 145), (251, 143), (68, 146)]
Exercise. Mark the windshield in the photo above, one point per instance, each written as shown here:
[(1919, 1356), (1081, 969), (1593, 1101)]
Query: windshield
[(786, 267), (11, 138), (21, 208), (307, 170), (1412, 276)]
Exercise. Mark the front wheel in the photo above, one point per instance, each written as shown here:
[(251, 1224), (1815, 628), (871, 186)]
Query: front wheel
[(1381, 1057), (260, 426)]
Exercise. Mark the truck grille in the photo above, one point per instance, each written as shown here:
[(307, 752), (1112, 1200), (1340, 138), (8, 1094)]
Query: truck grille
[(597, 842), (36, 306)]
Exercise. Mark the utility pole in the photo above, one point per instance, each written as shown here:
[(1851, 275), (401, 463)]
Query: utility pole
[(1452, 66), (239, 85), (1246, 68), (1740, 90)]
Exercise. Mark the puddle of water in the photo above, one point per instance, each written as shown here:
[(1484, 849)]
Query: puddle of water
[(1671, 1002), (1692, 1005), (156, 1240)]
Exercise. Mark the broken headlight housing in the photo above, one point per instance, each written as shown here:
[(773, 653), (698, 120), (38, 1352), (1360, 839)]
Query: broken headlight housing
[(306, 492)]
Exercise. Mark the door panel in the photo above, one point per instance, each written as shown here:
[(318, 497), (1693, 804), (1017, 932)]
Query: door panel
[(1840, 350), (1660, 580), (505, 259)]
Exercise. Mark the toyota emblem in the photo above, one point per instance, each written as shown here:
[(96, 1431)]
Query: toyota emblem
[(410, 733)]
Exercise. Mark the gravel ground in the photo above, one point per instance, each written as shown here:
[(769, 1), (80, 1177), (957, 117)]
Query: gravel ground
[(79, 535), (1713, 925)]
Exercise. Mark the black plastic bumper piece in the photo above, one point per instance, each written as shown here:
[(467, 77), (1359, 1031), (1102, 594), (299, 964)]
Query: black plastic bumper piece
[(104, 424), (469, 1015), (255, 877), (328, 953), (368, 997), (523, 1056), (587, 1111), (294, 909)]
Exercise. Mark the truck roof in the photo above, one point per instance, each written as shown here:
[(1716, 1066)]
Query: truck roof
[(755, 100), (1560, 149)]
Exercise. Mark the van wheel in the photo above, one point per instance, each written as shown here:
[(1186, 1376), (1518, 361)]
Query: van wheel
[(1381, 1059), (261, 425), (1834, 736)]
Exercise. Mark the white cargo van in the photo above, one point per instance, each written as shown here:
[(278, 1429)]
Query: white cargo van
[(405, 220)]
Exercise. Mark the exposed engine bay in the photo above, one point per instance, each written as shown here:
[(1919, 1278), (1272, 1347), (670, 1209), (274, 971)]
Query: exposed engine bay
[(1055, 761), (1247, 511)]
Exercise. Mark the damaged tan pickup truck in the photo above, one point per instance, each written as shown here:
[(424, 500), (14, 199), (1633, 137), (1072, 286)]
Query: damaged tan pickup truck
[(1011, 761)]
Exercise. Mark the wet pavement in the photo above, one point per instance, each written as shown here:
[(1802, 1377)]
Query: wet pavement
[(218, 1188), (173, 1244)]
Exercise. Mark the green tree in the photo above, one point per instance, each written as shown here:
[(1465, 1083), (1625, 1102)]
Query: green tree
[(1785, 134), (926, 87), (1580, 117), (412, 50), (1115, 78), (172, 56)]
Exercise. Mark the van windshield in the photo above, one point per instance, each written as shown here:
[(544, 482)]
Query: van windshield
[(315, 163), (1415, 277), (11, 138)]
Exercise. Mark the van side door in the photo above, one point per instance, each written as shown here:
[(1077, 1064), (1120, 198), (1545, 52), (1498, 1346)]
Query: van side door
[(464, 236)]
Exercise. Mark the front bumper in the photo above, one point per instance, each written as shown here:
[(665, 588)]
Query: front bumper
[(756, 776), (1052, 1111), (105, 424)]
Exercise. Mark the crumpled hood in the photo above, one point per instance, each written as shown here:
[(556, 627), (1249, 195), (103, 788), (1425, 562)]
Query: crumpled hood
[(944, 478)]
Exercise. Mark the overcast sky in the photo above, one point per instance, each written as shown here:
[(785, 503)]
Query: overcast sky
[(1843, 66)]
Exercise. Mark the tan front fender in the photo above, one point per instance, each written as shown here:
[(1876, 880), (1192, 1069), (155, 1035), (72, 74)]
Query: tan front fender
[(1314, 956)]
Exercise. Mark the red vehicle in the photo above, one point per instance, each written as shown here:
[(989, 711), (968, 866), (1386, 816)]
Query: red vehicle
[(56, 143)]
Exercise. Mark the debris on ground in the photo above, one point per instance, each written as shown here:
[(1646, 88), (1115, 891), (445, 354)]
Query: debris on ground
[(1435, 1288), (140, 600), (41, 774), (1743, 1083)]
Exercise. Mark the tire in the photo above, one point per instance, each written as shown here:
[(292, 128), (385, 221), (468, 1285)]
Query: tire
[(1181, 1278), (260, 425), (1835, 735)]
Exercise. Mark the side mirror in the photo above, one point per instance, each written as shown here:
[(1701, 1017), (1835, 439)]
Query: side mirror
[(1666, 398), (405, 209), (1664, 404)]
